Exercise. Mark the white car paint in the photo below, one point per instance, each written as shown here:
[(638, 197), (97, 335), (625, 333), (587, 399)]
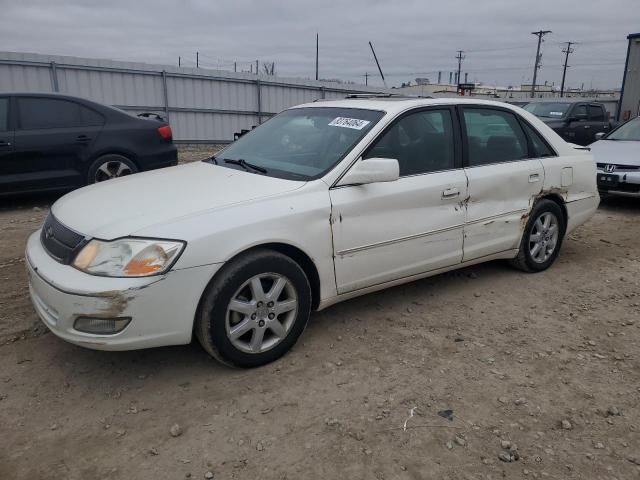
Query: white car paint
[(359, 238)]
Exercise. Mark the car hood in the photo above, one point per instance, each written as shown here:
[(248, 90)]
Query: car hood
[(620, 152), (123, 206)]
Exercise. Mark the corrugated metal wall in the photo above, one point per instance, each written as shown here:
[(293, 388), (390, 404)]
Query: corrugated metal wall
[(202, 105)]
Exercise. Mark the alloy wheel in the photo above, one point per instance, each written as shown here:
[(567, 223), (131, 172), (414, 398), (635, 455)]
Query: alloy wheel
[(112, 169), (543, 238), (261, 312)]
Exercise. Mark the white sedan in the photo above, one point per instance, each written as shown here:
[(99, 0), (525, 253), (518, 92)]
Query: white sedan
[(324, 202)]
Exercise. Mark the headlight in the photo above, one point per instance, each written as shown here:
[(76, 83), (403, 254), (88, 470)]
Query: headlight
[(128, 257)]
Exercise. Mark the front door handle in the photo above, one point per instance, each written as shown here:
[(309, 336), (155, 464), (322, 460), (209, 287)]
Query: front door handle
[(534, 177), (83, 139), (450, 193), (587, 126), (4, 144)]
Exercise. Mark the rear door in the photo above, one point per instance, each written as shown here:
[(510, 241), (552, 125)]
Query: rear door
[(53, 139), (503, 180), (579, 128), (387, 231), (6, 145)]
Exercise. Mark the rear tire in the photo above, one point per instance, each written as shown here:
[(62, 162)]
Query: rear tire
[(254, 309), (110, 166), (542, 237)]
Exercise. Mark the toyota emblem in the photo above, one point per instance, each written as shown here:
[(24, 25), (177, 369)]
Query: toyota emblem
[(609, 168)]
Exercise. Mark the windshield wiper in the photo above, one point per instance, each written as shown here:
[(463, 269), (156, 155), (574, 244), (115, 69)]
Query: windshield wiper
[(211, 159), (246, 165)]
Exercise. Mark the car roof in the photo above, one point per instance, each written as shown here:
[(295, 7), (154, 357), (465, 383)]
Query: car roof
[(399, 104)]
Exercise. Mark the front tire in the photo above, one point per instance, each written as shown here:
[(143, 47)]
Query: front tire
[(254, 310), (542, 237)]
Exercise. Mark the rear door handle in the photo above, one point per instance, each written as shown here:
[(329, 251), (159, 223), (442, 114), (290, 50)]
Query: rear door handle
[(534, 177), (83, 139), (4, 144), (450, 193), (587, 126)]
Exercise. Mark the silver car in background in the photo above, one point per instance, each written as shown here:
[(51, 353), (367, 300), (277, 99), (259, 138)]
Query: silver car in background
[(618, 160)]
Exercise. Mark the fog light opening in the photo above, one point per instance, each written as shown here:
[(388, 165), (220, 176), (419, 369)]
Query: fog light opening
[(101, 326)]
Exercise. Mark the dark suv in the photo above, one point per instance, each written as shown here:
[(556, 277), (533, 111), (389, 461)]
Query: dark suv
[(58, 142), (576, 122)]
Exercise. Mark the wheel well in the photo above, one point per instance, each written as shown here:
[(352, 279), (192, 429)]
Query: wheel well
[(558, 199), (302, 259)]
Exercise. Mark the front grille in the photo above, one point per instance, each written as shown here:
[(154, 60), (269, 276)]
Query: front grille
[(620, 168), (59, 241)]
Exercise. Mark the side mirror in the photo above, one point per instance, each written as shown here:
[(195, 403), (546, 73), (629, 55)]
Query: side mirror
[(372, 170), (599, 135)]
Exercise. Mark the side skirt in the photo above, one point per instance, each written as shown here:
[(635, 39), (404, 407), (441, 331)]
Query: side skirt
[(507, 254)]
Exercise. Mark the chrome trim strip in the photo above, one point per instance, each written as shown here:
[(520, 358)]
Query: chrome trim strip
[(398, 240)]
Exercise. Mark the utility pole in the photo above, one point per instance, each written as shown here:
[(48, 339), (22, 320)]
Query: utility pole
[(317, 55), (179, 62), (460, 57), (257, 71), (566, 51), (197, 59), (366, 78), (539, 34), (235, 66)]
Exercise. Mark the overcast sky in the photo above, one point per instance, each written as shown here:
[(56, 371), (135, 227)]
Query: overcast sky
[(412, 38)]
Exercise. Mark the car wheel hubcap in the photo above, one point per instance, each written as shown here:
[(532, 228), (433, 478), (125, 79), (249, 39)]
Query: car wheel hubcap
[(261, 313), (114, 169), (543, 238)]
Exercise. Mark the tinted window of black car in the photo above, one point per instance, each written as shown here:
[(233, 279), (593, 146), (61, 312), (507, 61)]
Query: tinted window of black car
[(596, 113), (36, 113), (4, 114)]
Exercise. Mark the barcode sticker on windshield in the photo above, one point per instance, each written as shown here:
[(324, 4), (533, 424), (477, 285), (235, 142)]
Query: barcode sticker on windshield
[(354, 123)]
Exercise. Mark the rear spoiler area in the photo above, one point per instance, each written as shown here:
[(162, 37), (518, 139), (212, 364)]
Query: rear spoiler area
[(153, 116)]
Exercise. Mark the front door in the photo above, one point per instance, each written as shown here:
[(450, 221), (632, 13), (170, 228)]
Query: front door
[(503, 181), (387, 231)]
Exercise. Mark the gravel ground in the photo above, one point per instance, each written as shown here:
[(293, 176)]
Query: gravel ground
[(484, 373)]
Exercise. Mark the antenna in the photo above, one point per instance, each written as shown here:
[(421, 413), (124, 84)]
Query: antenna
[(378, 64)]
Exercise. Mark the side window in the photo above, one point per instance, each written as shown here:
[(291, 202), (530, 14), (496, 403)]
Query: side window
[(493, 136), (540, 147), (596, 112), (36, 113), (4, 114), (422, 142), (580, 111)]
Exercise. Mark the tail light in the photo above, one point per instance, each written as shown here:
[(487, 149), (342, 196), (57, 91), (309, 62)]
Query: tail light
[(165, 132)]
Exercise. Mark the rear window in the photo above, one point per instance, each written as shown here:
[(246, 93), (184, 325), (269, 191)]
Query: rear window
[(548, 110), (596, 112), (40, 113)]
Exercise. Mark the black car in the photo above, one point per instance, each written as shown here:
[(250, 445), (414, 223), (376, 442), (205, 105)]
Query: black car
[(576, 122), (59, 142)]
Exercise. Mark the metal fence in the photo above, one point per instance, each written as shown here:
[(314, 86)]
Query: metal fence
[(206, 106)]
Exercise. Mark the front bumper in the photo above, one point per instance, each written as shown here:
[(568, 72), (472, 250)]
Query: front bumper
[(619, 182), (162, 308)]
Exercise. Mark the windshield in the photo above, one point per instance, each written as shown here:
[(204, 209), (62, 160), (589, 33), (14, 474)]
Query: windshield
[(628, 131), (548, 110), (301, 143)]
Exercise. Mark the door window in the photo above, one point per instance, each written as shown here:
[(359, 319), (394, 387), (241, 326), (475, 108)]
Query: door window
[(4, 114), (38, 113), (580, 112), (422, 142), (493, 136), (540, 147), (596, 112)]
